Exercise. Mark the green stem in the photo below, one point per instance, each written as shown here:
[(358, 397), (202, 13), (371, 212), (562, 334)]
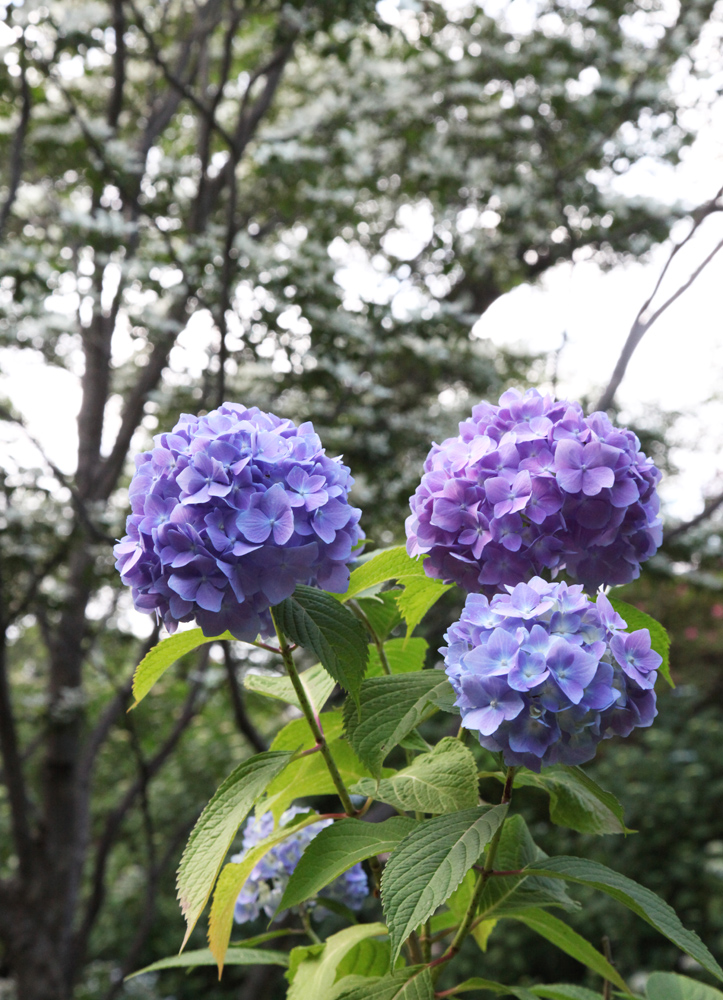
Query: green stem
[(306, 921), (469, 918), (377, 641), (313, 721)]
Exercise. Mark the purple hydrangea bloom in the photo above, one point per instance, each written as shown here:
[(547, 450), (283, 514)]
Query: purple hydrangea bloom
[(543, 673), (229, 512), (266, 884), (534, 484)]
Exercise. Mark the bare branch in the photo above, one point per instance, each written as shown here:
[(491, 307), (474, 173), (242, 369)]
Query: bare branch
[(16, 157), (641, 325), (711, 506), (119, 65), (115, 819), (245, 726)]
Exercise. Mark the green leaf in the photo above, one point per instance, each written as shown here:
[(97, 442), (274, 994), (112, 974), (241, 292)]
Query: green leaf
[(569, 941), (235, 956), (503, 894), (413, 983), (317, 683), (576, 801), (476, 983), (337, 848), (669, 986), (403, 656), (428, 865), (389, 564), (417, 598), (659, 638), (442, 781), (381, 611), (216, 828), (232, 880), (161, 657), (636, 897), (310, 775), (368, 958), (319, 623), (444, 698), (313, 978), (390, 707), (564, 991)]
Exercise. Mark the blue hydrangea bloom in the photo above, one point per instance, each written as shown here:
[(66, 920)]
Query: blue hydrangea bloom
[(266, 884), (229, 512), (543, 673), (534, 484)]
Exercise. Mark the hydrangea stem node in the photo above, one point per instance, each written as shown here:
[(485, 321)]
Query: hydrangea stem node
[(469, 918)]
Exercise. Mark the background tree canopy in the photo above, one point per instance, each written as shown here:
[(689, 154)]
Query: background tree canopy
[(191, 194)]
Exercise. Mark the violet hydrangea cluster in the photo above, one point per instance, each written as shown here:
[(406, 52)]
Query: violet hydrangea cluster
[(229, 512), (266, 884), (534, 484), (544, 674)]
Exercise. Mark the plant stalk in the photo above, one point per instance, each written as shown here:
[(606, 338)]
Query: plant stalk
[(469, 918), (311, 718)]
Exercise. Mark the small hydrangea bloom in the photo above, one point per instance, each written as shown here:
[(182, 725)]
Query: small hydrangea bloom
[(266, 884), (534, 484), (544, 674), (229, 512)]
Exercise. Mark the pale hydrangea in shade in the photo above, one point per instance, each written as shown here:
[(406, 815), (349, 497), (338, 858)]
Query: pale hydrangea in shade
[(533, 485), (544, 674), (266, 884), (229, 512)]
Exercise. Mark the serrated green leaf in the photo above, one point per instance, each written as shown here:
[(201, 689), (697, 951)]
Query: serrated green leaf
[(670, 986), (636, 897), (576, 801), (444, 698), (418, 596), (389, 564), (155, 663), (335, 849), (216, 828), (390, 707), (504, 895), (317, 683), (319, 623), (310, 775), (569, 941), (403, 656), (232, 880), (413, 983), (236, 956), (381, 611), (428, 865), (413, 741), (564, 991), (442, 781), (659, 638), (313, 978)]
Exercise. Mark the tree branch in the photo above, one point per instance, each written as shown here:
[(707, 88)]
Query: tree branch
[(115, 819), (641, 326), (245, 726), (711, 506), (16, 157)]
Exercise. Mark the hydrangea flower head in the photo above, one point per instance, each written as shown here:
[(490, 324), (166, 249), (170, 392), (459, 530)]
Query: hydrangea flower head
[(534, 484), (544, 674), (266, 884), (229, 512)]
